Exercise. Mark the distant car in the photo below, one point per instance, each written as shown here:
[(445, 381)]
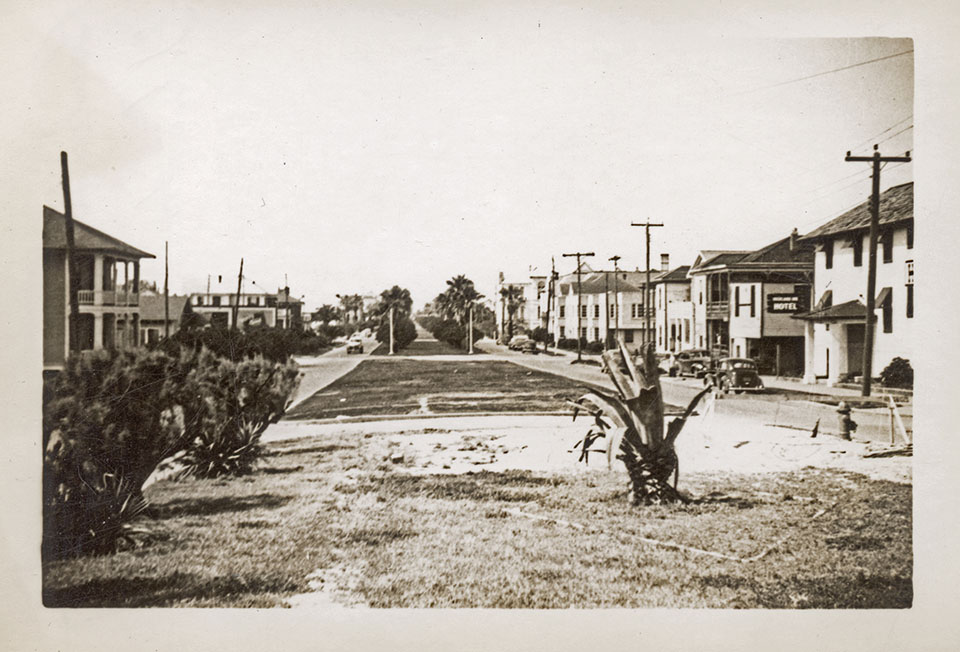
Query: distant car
[(738, 374), (693, 362), (355, 345), (340, 340), (523, 344)]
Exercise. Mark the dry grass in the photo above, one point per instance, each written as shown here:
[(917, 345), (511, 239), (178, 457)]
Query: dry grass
[(384, 536), (397, 387)]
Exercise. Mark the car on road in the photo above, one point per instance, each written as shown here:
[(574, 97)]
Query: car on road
[(355, 345), (523, 344), (738, 374), (693, 362)]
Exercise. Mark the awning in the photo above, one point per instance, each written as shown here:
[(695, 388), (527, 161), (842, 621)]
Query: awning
[(849, 311), (883, 297)]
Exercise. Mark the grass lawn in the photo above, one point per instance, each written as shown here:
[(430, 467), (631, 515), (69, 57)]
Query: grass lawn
[(424, 347), (384, 535), (405, 386)]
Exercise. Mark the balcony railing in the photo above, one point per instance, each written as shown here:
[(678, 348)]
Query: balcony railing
[(107, 298), (718, 309)]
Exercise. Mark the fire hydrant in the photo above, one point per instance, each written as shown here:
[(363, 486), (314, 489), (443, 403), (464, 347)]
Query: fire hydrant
[(847, 425)]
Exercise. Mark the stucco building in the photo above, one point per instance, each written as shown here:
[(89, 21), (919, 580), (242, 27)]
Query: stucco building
[(835, 326)]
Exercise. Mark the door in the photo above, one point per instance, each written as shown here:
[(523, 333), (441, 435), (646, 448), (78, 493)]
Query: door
[(855, 340)]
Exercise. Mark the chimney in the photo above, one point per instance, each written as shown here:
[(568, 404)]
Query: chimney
[(793, 239), (664, 262)]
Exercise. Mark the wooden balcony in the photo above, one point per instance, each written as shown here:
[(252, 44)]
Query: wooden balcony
[(107, 298), (718, 309)]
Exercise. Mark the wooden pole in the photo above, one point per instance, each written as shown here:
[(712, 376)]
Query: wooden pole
[(392, 308), (578, 254), (470, 330), (875, 160), (73, 283), (166, 289), (646, 288), (236, 304)]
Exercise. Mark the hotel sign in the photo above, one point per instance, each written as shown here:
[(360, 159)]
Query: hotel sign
[(784, 303)]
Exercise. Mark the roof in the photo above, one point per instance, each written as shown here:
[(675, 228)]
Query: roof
[(85, 237), (896, 205), (594, 283), (848, 310), (777, 254), (678, 275), (152, 309)]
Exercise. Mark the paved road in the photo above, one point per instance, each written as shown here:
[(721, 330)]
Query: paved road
[(873, 424), (316, 372)]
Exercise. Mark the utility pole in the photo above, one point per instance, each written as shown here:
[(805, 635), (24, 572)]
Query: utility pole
[(392, 309), (470, 329), (579, 254), (606, 309), (646, 287), (166, 289), (73, 340), (550, 295), (616, 296), (236, 304), (876, 160)]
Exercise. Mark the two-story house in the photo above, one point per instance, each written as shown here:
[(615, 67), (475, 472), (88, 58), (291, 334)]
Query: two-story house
[(743, 303), (835, 327), (521, 304), (108, 280), (673, 310)]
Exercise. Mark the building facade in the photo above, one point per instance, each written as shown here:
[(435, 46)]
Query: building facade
[(835, 327), (279, 310), (154, 323), (108, 298), (520, 304), (674, 311), (744, 303)]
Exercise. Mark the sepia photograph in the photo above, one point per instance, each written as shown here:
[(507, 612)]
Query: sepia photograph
[(346, 309)]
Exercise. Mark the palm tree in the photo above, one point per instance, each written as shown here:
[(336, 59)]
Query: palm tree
[(460, 294), (512, 296), (636, 411), (351, 305)]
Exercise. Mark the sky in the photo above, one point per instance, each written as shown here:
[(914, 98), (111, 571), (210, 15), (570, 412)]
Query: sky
[(344, 147)]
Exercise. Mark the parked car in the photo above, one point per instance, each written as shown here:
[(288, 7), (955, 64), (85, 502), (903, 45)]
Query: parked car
[(693, 362), (355, 345), (523, 344), (738, 374)]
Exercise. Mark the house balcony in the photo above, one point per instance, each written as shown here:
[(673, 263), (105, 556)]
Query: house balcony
[(718, 309), (107, 298)]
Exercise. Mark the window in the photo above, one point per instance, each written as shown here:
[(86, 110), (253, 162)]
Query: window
[(563, 331), (596, 334), (583, 333), (701, 341), (198, 301), (686, 330), (613, 311), (628, 336), (216, 300), (583, 311), (886, 241), (828, 254), (858, 250), (701, 298), (736, 301), (909, 302), (596, 311), (910, 235), (886, 303), (562, 310), (753, 300)]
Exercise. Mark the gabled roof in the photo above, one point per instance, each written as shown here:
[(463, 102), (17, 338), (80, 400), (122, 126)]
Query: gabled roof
[(678, 275), (594, 283), (715, 256), (896, 205), (152, 308), (775, 255), (85, 238)]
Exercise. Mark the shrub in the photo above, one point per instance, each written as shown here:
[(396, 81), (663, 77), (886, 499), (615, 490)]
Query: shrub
[(233, 405), (594, 347), (570, 343), (404, 332), (898, 373), (429, 322), (542, 335), (450, 332), (274, 344), (112, 417)]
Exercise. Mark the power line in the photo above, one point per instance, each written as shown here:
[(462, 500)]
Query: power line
[(895, 135), (826, 72), (870, 140)]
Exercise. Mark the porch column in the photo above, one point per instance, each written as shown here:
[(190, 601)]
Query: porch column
[(809, 372), (97, 281), (838, 353), (97, 331)]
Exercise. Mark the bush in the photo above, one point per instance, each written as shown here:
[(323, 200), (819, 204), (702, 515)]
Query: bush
[(112, 417), (450, 332), (898, 374), (570, 343), (594, 347), (429, 322), (234, 404), (274, 344), (542, 335), (404, 332)]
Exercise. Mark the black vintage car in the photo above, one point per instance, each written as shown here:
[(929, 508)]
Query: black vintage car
[(738, 374), (694, 362)]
